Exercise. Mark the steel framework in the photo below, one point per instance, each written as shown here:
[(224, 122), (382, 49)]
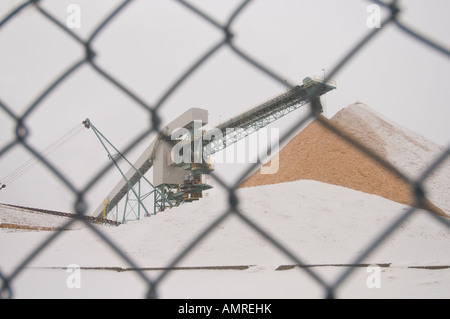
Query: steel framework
[(262, 115), (129, 181), (176, 189)]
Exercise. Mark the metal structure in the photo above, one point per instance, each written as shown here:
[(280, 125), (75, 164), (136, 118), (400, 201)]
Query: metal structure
[(126, 186), (180, 169), (262, 115)]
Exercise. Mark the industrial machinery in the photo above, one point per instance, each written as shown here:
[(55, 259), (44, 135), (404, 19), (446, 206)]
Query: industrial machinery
[(180, 153)]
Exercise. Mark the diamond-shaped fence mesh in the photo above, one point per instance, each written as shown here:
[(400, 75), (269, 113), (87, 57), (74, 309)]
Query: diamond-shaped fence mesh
[(136, 64)]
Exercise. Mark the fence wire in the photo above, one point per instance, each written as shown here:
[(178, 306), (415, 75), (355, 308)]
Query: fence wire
[(22, 134)]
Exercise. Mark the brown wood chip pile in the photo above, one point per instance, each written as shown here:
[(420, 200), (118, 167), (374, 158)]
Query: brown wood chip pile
[(318, 154)]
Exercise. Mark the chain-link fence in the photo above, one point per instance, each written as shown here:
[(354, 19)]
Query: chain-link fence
[(226, 31)]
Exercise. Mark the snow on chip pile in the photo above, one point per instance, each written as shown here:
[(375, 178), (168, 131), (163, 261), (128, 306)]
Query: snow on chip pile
[(318, 154)]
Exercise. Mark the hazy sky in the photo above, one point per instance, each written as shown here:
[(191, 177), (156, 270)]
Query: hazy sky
[(153, 42)]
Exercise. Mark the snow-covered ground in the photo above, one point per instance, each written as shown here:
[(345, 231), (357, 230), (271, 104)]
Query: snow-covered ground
[(320, 224)]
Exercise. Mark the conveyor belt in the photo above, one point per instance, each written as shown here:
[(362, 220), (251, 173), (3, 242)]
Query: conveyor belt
[(267, 112), (247, 122)]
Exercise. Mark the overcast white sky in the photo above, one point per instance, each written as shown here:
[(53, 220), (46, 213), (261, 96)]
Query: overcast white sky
[(151, 43)]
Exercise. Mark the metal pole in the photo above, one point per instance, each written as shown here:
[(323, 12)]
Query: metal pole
[(139, 200), (125, 209)]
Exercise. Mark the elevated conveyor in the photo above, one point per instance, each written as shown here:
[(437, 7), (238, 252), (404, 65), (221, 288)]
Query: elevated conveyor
[(265, 113), (174, 182)]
